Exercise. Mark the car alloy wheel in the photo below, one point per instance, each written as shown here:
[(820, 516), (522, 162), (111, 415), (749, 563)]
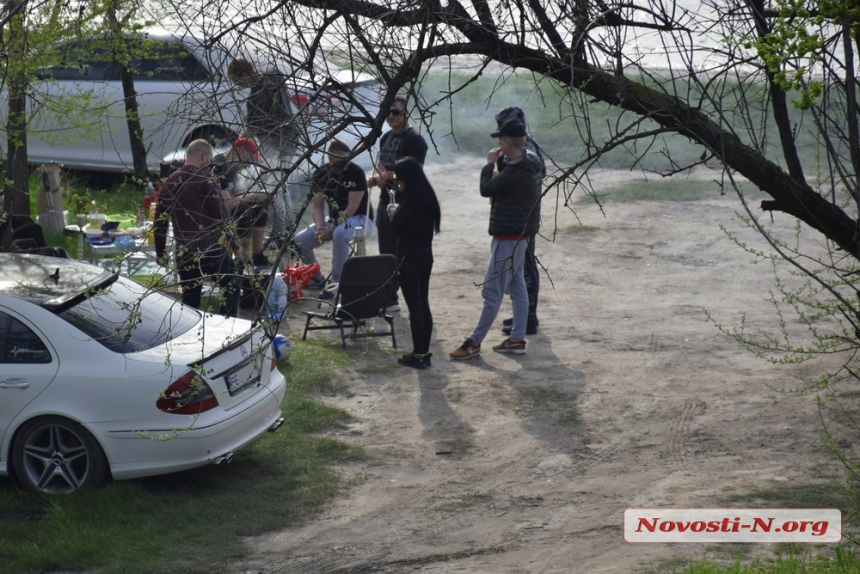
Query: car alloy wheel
[(55, 455)]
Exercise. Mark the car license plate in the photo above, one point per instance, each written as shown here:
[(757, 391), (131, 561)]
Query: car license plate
[(241, 379)]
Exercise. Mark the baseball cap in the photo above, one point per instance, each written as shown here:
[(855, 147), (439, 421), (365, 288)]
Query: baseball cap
[(251, 145), (511, 129), (510, 113)]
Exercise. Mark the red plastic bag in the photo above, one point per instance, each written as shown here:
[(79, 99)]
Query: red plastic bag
[(298, 276)]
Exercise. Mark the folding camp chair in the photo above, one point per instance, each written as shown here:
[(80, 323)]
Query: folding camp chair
[(361, 295)]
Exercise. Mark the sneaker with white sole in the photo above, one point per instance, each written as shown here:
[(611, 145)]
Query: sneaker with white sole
[(393, 308), (508, 346), (330, 291), (531, 329), (316, 283), (469, 348)]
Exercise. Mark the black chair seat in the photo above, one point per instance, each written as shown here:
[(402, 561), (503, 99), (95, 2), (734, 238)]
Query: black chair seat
[(361, 295)]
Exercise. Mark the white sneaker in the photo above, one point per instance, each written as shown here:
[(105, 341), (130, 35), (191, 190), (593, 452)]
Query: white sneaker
[(393, 308)]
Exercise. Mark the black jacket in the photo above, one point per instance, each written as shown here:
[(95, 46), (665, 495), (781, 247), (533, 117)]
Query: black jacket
[(413, 223), (515, 194)]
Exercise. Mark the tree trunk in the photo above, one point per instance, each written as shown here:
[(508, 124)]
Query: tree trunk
[(17, 170), (135, 132)]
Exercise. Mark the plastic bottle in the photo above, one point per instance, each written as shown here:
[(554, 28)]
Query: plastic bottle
[(150, 236), (144, 211), (94, 216), (276, 302), (358, 241)]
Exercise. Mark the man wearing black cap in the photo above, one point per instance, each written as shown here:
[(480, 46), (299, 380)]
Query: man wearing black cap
[(514, 216), (531, 271)]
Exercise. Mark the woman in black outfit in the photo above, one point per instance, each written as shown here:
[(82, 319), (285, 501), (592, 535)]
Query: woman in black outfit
[(415, 220)]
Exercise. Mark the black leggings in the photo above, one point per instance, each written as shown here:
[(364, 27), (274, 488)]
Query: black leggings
[(415, 284)]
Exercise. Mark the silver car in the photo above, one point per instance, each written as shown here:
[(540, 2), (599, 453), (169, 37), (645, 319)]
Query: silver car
[(77, 115)]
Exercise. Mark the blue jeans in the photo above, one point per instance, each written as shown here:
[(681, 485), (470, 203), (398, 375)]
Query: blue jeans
[(504, 274), (307, 242)]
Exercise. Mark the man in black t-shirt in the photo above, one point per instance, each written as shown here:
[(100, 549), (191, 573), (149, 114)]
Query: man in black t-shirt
[(343, 186)]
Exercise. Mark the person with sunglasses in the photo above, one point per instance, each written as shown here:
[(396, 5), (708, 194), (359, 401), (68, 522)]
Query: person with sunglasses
[(402, 140), (415, 219)]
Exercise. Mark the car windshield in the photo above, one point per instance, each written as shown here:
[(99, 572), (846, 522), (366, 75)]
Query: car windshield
[(127, 317)]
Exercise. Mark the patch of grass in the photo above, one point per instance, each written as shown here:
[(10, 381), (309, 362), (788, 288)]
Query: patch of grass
[(117, 199), (149, 280), (794, 561), (793, 495), (322, 364), (656, 190), (168, 524)]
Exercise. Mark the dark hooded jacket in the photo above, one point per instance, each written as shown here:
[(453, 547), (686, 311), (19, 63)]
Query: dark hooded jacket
[(515, 196)]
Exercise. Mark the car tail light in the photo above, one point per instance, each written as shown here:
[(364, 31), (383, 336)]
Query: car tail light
[(188, 395), (320, 106), (300, 100)]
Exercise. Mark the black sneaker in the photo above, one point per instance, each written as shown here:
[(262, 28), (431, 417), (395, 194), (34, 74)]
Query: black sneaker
[(260, 260), (530, 330), (410, 360), (508, 322)]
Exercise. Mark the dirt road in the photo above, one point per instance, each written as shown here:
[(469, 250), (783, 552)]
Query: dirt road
[(628, 397)]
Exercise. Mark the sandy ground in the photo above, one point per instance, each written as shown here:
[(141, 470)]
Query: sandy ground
[(628, 397)]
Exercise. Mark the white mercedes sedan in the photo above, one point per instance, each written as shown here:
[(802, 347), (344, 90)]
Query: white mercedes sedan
[(102, 378)]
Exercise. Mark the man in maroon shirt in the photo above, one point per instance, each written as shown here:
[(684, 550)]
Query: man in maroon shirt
[(191, 199)]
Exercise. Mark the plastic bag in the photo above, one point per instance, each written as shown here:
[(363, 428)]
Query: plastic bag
[(298, 276)]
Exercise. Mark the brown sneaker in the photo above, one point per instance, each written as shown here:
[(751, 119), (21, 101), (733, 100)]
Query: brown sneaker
[(469, 348), (508, 346)]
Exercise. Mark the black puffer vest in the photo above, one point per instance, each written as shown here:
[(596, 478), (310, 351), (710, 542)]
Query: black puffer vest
[(515, 194)]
